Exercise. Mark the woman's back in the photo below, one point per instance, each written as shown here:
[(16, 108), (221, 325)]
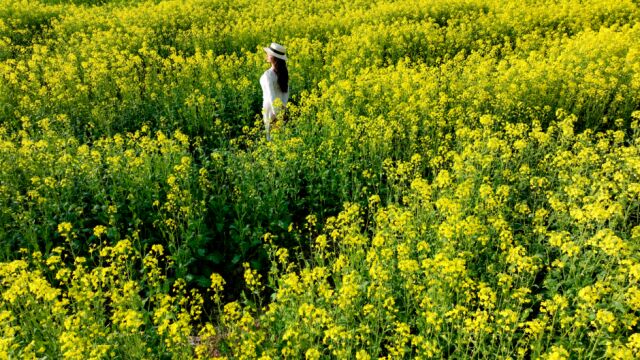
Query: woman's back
[(270, 92)]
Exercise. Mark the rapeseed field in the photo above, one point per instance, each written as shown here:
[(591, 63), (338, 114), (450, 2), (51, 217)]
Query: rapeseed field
[(457, 179)]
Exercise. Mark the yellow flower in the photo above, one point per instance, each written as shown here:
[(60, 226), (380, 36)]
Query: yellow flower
[(252, 278), (99, 230), (606, 319), (557, 353), (64, 228), (362, 355), (312, 354)]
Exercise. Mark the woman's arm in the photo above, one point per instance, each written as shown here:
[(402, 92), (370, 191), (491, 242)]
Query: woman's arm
[(268, 95)]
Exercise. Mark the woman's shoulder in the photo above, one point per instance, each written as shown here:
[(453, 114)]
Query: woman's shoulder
[(269, 74)]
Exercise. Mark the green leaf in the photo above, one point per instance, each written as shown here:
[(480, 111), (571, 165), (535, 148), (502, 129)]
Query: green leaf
[(203, 281), (214, 257)]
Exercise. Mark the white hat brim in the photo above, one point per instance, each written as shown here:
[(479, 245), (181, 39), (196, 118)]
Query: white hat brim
[(272, 53)]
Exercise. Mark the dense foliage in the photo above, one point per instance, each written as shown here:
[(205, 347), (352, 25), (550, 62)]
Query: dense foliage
[(458, 178)]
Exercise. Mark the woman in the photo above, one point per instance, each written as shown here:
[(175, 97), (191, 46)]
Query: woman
[(275, 85)]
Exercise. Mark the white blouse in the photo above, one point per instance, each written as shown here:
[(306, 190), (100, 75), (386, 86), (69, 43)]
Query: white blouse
[(270, 92)]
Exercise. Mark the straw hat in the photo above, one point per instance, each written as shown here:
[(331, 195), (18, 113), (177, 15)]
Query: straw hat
[(276, 50)]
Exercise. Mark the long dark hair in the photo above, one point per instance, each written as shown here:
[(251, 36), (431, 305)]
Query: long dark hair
[(280, 67)]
